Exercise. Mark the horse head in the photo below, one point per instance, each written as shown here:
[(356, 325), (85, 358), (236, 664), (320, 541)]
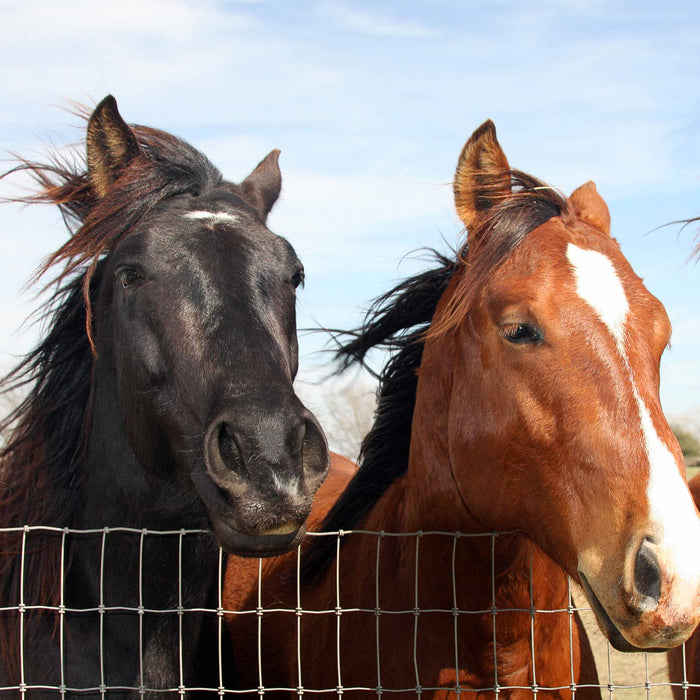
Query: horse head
[(194, 330), (566, 434)]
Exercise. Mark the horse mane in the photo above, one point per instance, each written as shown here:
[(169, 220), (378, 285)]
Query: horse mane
[(165, 167), (499, 231), (44, 437), (400, 321), (686, 222)]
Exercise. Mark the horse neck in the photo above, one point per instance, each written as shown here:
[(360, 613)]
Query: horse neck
[(427, 499), (462, 563), (117, 492), (431, 494)]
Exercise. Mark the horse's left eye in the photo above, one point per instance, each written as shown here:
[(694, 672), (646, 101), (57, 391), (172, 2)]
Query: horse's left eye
[(298, 279), (521, 333)]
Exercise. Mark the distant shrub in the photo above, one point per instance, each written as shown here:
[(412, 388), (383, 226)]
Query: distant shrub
[(689, 442)]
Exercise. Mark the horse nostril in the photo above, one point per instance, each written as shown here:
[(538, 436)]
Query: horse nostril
[(647, 575), (314, 449), (228, 450)]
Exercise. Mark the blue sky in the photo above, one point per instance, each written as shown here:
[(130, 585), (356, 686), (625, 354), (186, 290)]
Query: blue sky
[(371, 103)]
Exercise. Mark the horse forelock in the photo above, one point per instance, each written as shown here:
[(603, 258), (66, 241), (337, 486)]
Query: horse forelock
[(499, 231), (166, 167)]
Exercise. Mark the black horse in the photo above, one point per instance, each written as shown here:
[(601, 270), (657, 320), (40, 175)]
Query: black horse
[(161, 400)]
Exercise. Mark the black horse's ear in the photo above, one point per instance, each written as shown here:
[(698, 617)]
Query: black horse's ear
[(262, 187), (483, 175), (111, 146)]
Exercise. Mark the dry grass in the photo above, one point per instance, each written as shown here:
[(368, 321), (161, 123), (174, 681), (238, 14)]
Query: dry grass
[(626, 674)]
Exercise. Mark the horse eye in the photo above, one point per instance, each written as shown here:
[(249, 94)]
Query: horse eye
[(128, 276), (298, 279), (521, 333)]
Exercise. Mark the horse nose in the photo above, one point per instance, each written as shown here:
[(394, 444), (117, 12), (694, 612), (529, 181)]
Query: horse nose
[(663, 591), (281, 452), (647, 576)]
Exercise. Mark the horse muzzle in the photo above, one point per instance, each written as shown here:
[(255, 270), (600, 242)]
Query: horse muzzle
[(261, 474), (653, 605)]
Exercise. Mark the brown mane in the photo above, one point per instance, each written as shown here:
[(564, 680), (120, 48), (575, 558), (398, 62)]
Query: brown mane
[(96, 224), (500, 229)]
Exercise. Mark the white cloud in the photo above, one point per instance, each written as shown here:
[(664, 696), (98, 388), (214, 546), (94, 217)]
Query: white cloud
[(376, 23), (95, 23)]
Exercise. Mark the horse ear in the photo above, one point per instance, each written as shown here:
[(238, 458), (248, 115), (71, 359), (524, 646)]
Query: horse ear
[(111, 146), (590, 207), (483, 175), (262, 187)]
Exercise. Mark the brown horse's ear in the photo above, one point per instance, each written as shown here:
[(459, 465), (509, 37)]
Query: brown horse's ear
[(590, 207), (262, 187), (111, 146), (483, 175)]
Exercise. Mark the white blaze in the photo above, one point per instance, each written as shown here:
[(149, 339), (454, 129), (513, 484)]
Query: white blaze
[(215, 217), (670, 503), (288, 487), (597, 283)]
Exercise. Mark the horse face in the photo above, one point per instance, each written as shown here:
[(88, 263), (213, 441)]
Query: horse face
[(196, 328), (202, 313), (569, 342)]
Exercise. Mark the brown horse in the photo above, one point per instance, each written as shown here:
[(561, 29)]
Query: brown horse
[(691, 650), (535, 413)]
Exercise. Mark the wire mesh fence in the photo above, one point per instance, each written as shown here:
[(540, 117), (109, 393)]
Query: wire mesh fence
[(620, 675)]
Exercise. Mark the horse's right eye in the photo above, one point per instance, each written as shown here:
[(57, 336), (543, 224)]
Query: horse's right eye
[(128, 276), (521, 333)]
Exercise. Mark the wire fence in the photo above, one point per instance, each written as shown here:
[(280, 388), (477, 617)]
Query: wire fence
[(626, 675)]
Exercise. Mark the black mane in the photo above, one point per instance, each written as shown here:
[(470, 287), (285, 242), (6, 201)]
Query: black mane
[(397, 322), (44, 435), (44, 438), (400, 321)]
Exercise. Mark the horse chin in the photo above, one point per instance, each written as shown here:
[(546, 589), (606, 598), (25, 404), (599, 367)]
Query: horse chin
[(608, 627), (270, 543)]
